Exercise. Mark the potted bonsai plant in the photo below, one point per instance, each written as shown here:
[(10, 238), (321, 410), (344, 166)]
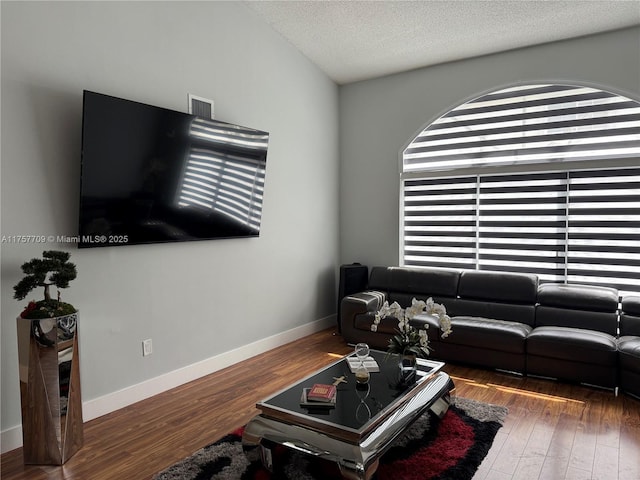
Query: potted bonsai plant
[(53, 268)]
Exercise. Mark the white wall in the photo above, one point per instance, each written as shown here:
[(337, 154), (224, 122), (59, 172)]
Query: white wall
[(379, 117), (195, 300)]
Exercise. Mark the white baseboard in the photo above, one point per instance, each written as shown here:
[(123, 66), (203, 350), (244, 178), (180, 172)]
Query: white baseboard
[(11, 438)]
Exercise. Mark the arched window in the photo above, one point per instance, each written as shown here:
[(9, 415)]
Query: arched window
[(536, 178)]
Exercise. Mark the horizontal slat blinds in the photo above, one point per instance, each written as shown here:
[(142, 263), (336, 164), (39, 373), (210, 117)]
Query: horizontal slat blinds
[(522, 224), (529, 124), (564, 224), (604, 228), (440, 222)]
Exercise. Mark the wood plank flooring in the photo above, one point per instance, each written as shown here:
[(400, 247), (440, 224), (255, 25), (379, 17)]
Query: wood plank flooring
[(553, 431)]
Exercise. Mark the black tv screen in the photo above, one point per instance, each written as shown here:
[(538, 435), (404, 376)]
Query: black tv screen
[(153, 175)]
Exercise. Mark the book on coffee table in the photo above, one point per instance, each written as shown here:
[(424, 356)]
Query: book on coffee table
[(321, 392), (329, 402), (369, 363)]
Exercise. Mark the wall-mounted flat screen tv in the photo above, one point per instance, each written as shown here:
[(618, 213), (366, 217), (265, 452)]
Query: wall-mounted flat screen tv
[(153, 175)]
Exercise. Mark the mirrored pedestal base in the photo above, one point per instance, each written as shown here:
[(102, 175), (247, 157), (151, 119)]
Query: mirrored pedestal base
[(52, 426)]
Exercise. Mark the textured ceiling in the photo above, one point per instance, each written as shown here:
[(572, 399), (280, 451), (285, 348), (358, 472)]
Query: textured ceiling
[(357, 40)]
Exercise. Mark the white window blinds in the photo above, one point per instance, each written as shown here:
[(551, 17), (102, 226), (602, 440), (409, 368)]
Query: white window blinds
[(440, 222), (566, 225), (529, 124), (604, 228), (522, 224)]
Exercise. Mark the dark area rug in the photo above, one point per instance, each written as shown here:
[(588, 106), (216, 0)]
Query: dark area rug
[(448, 449)]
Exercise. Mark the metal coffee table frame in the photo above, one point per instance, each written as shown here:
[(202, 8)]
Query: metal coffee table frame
[(356, 450)]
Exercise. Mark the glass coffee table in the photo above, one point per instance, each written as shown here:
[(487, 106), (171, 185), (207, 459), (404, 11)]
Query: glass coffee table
[(363, 423)]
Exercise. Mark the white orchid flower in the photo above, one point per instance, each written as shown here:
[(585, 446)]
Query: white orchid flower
[(416, 308), (376, 321), (424, 340), (408, 335), (445, 325)]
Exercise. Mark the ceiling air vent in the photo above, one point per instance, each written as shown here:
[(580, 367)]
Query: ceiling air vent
[(202, 107)]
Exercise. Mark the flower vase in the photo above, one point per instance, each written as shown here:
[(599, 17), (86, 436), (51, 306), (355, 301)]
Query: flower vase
[(407, 366)]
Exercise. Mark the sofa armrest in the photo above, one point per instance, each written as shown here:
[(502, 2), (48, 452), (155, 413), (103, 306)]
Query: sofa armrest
[(359, 303), (362, 302)]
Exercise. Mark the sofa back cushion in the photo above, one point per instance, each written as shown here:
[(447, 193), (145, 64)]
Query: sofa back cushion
[(380, 279), (498, 295), (578, 306), (402, 284), (630, 316)]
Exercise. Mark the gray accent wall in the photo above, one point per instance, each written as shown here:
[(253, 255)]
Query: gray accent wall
[(195, 300), (379, 117)]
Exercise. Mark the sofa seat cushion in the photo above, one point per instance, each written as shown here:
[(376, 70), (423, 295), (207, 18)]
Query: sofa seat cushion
[(390, 324), (386, 325), (629, 353), (573, 344), (487, 333)]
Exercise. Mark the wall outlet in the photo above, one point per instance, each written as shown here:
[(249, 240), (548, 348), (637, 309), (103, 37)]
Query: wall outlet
[(147, 347)]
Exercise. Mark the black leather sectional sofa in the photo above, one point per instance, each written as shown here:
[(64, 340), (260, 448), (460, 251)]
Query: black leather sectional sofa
[(629, 346), (510, 321)]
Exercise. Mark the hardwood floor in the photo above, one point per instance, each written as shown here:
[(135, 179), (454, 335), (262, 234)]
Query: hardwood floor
[(553, 430)]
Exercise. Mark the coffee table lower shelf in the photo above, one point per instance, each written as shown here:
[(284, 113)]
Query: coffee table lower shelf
[(356, 453)]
